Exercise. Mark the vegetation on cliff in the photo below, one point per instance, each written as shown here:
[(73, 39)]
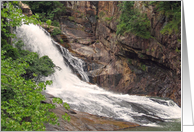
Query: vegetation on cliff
[(47, 10), (132, 21), (172, 11), (21, 107)]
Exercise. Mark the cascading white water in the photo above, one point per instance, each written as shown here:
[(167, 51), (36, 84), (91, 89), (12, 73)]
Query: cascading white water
[(82, 96), (75, 62)]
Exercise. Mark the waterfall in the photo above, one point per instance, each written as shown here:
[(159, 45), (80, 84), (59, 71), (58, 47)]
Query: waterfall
[(89, 98), (76, 63)]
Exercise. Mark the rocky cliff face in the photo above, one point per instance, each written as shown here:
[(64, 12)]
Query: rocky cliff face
[(124, 64)]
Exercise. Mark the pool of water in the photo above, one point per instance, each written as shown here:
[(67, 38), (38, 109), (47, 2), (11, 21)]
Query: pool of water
[(173, 125)]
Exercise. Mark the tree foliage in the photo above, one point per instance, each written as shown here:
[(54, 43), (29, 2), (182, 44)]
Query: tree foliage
[(46, 9), (132, 21), (41, 66), (172, 11), (56, 31), (21, 107), (12, 16)]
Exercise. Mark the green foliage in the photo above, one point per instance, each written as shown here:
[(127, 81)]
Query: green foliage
[(130, 61), (145, 3), (109, 18), (141, 55), (57, 100), (96, 17), (11, 52), (177, 50), (48, 22), (71, 18), (61, 40), (19, 44), (21, 107), (66, 106), (15, 16), (47, 9), (42, 66), (66, 117), (132, 21), (143, 67), (101, 14), (77, 11), (56, 31), (56, 23), (172, 11)]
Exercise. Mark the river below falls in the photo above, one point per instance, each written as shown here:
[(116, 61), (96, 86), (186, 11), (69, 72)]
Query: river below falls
[(173, 125)]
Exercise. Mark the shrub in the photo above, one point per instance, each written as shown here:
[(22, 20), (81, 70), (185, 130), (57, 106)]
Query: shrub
[(56, 31), (48, 22), (61, 40), (56, 23), (132, 21), (172, 12), (11, 52), (109, 19), (19, 44), (71, 18), (143, 67)]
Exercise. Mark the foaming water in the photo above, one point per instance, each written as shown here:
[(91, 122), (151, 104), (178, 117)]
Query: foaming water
[(89, 98)]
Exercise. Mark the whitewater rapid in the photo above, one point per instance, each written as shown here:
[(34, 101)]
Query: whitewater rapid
[(89, 98)]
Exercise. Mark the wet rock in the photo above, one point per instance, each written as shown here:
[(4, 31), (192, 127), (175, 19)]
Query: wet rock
[(81, 121)]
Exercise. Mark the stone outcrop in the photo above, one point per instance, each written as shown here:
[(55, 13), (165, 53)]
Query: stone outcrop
[(125, 64), (81, 121), (25, 9)]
